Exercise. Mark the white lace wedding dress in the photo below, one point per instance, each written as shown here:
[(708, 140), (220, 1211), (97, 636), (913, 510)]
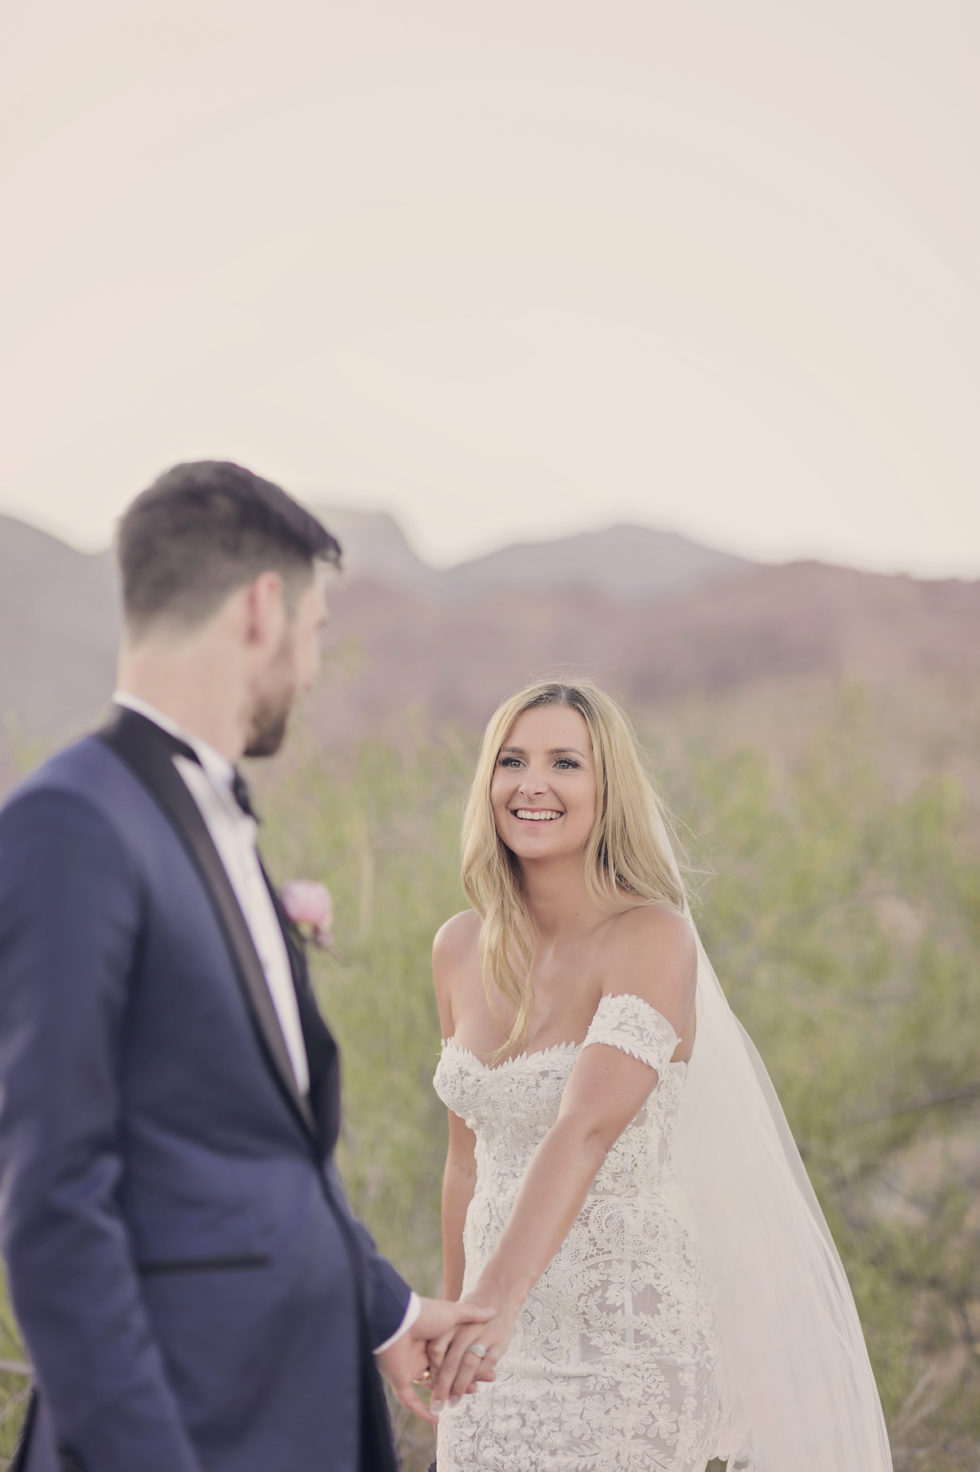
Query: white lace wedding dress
[(614, 1365)]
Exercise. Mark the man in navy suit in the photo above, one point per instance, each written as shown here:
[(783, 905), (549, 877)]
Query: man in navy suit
[(195, 1293)]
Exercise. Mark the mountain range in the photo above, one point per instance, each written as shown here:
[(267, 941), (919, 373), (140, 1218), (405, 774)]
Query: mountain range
[(655, 616)]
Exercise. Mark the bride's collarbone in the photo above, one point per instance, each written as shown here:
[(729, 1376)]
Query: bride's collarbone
[(563, 1018), (560, 1016)]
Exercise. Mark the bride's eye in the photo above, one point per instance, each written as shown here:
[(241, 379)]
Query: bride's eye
[(508, 761), (567, 763)]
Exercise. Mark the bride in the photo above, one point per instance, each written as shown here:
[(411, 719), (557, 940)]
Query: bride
[(621, 1186)]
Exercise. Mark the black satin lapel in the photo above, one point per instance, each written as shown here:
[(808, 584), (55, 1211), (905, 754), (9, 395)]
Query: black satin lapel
[(134, 739), (321, 1047)]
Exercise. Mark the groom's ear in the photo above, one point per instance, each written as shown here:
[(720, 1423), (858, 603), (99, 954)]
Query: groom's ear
[(265, 610)]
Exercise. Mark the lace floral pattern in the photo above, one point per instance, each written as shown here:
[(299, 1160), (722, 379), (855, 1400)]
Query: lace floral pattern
[(613, 1366), (630, 1023)]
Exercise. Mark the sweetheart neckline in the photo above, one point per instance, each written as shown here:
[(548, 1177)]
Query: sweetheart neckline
[(561, 1047), (506, 1062), (534, 1053)]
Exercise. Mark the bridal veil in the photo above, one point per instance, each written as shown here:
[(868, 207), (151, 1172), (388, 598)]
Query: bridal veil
[(801, 1395)]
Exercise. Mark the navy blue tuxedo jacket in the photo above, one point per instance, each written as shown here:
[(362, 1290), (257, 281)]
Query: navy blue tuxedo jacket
[(194, 1291)]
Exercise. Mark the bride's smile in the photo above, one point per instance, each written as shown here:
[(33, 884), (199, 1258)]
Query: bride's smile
[(543, 791)]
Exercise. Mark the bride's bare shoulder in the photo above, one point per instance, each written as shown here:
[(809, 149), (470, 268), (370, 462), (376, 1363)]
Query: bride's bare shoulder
[(651, 941), (650, 924), (456, 966), (458, 939)]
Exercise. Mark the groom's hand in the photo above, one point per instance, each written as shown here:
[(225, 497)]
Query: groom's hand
[(407, 1360)]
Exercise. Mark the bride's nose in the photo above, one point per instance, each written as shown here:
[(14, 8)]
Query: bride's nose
[(532, 784)]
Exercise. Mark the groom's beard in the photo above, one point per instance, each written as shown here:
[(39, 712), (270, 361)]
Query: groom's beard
[(269, 724), (270, 714)]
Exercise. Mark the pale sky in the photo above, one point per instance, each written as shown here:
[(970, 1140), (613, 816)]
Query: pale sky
[(506, 270)]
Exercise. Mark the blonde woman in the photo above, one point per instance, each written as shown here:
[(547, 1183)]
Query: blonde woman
[(620, 1184)]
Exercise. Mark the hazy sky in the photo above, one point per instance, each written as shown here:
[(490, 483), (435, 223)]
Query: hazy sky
[(507, 270)]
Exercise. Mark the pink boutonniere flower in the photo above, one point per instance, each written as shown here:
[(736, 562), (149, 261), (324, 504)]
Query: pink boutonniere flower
[(309, 909)]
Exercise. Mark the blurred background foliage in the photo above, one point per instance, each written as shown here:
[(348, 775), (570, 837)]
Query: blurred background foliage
[(839, 896)]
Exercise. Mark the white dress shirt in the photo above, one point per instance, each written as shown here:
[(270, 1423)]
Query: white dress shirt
[(233, 834)]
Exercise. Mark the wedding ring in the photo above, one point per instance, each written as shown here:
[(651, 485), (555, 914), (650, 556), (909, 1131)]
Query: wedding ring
[(478, 1349)]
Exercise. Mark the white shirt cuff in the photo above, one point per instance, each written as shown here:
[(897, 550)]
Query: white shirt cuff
[(411, 1314)]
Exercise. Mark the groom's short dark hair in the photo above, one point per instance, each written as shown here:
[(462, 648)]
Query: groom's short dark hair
[(205, 528)]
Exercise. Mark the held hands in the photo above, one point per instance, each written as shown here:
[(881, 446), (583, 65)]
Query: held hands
[(455, 1358), (407, 1360)]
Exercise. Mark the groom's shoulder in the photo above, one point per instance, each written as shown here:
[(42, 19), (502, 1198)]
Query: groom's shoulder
[(66, 820), (86, 771)]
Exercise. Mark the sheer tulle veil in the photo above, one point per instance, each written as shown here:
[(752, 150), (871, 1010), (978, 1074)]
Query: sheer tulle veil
[(801, 1393)]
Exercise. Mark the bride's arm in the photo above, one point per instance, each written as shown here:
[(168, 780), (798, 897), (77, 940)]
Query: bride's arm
[(653, 956)]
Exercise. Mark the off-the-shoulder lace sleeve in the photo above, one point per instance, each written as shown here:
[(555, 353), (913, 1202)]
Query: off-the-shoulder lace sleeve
[(628, 1022)]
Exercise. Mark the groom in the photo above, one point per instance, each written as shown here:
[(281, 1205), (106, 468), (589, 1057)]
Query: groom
[(194, 1290)]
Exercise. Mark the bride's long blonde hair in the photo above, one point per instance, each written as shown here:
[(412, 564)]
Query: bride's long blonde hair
[(629, 858)]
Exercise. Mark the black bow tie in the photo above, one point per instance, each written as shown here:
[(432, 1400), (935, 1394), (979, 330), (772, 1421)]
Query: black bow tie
[(239, 787), (241, 794)]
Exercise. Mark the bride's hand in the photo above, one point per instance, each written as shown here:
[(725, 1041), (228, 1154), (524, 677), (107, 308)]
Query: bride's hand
[(436, 1351), (459, 1365)]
